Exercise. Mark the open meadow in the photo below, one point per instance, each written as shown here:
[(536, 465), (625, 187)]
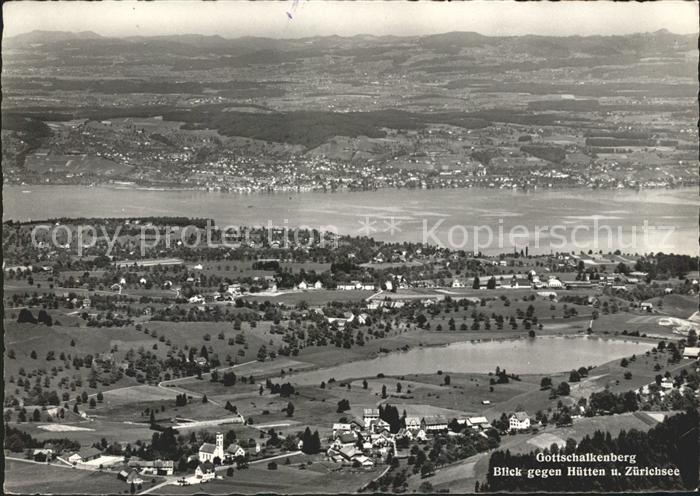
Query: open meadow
[(317, 477), (29, 478)]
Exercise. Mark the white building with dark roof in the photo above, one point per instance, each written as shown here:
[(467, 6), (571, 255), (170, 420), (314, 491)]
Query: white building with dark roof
[(205, 472), (433, 423), (519, 421), (208, 451), (234, 451)]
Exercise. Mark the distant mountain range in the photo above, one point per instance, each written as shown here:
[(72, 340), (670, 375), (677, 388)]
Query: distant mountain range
[(594, 45), (459, 53), (39, 36)]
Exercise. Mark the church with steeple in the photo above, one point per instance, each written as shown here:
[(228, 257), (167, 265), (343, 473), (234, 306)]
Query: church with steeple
[(208, 452)]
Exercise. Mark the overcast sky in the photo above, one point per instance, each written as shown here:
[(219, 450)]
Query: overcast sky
[(302, 18)]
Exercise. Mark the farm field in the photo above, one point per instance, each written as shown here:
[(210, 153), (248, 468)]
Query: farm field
[(641, 322), (126, 431), (29, 478), (677, 305), (320, 477), (465, 392)]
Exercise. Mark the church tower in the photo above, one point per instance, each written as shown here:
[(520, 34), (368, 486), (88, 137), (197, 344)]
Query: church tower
[(219, 451)]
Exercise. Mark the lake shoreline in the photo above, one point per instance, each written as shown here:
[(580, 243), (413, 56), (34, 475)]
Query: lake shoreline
[(491, 221), (510, 338), (534, 189)]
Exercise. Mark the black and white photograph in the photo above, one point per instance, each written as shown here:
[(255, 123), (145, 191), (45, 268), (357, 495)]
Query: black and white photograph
[(350, 247)]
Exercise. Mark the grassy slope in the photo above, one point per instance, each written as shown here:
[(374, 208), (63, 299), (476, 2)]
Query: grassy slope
[(27, 478)]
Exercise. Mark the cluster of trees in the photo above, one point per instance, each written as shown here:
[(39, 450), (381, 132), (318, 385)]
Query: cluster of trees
[(502, 377), (577, 375), (284, 390), (36, 414), (312, 128), (609, 402), (165, 445), (343, 406), (17, 441), (667, 265), (213, 313), (551, 153), (107, 320), (227, 378), (311, 443), (37, 392), (390, 414), (563, 389), (49, 301), (26, 316), (480, 319), (420, 462), (448, 449)]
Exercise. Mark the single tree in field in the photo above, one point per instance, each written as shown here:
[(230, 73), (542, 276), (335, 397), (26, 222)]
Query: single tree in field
[(316, 442), (574, 376), (427, 469), (44, 318), (563, 389), (25, 316)]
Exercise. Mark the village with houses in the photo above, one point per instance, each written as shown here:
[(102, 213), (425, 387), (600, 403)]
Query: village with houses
[(367, 366), (349, 247)]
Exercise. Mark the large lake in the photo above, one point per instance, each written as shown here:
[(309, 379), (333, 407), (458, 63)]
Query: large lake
[(652, 220), (542, 355)]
